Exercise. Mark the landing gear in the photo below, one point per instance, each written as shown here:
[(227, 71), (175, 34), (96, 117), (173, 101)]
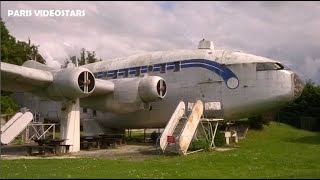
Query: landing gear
[(70, 125)]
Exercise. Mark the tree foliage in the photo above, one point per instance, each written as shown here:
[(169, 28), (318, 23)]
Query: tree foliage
[(86, 57), (7, 105), (16, 52), (307, 105)]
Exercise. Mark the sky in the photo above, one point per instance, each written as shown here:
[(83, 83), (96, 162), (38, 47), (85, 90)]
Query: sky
[(284, 31)]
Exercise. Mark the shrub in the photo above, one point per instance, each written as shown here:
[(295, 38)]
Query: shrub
[(219, 140), (197, 144), (256, 122)]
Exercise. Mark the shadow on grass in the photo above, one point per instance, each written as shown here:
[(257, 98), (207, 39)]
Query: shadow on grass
[(155, 152), (314, 139)]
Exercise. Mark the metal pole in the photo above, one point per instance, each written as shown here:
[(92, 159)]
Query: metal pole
[(54, 131)]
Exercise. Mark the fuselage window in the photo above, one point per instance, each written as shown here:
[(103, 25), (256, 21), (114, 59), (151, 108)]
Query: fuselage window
[(115, 74), (105, 74), (163, 68), (126, 73), (177, 66), (84, 110), (150, 68), (94, 113), (138, 71)]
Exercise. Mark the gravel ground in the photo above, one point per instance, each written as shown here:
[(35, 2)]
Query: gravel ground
[(138, 151), (134, 151)]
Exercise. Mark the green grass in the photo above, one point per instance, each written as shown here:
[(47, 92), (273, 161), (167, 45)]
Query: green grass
[(279, 151)]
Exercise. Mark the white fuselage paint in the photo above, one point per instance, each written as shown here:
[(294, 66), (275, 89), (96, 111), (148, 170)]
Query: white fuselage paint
[(250, 93)]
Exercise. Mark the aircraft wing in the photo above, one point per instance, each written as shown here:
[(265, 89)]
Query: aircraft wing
[(75, 81), (18, 78)]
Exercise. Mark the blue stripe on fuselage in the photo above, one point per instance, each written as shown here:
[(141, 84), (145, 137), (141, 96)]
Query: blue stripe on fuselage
[(213, 66)]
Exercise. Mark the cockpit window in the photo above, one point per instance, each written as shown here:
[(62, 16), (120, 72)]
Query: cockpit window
[(269, 66)]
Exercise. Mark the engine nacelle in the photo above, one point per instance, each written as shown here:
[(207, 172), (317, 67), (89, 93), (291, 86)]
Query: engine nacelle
[(146, 89), (71, 83), (152, 88), (129, 95)]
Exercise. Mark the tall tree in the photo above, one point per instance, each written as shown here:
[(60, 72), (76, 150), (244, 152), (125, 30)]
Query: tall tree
[(91, 57), (86, 57), (82, 60), (15, 52), (307, 105)]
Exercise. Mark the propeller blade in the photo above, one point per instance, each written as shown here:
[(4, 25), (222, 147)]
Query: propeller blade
[(85, 82)]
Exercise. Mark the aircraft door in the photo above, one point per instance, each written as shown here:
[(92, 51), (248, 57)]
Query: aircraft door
[(211, 94), (209, 90)]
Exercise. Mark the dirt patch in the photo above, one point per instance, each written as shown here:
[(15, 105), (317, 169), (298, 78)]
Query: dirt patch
[(221, 149), (135, 152), (128, 152), (12, 157)]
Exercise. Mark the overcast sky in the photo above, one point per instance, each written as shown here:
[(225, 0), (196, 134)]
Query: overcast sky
[(286, 31)]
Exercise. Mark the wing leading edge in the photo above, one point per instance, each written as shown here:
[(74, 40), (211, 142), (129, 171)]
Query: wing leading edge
[(16, 78)]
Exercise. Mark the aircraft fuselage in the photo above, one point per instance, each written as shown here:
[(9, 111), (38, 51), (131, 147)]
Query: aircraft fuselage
[(244, 84)]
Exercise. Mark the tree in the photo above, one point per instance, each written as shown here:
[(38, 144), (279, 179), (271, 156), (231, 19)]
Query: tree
[(308, 104), (7, 105), (91, 58), (86, 57), (82, 60), (15, 52)]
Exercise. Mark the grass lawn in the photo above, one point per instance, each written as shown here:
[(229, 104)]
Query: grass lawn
[(279, 151)]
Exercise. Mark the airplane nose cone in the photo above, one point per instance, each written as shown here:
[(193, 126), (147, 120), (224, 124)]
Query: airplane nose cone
[(298, 86)]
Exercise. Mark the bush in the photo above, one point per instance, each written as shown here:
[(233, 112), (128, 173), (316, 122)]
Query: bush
[(7, 105), (256, 122), (219, 140), (199, 144)]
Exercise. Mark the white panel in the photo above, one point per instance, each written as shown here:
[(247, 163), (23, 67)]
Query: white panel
[(11, 121), (16, 127), (212, 106)]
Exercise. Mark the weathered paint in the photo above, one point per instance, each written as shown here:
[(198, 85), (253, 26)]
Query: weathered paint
[(191, 125), (168, 131), (254, 91), (15, 126)]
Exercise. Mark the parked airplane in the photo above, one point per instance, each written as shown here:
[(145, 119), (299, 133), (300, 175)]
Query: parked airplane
[(142, 91)]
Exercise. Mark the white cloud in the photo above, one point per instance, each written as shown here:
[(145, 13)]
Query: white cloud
[(287, 31)]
